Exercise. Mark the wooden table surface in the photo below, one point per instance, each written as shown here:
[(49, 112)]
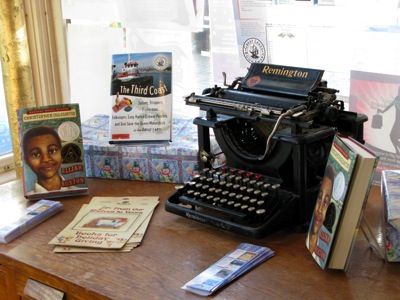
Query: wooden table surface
[(176, 249)]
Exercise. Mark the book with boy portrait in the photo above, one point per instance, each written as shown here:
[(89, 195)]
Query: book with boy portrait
[(342, 197), (53, 162), (141, 98)]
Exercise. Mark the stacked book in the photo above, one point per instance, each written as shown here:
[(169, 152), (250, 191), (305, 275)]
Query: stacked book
[(107, 224)]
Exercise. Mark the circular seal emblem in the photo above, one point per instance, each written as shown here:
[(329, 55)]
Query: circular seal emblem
[(254, 50), (339, 186), (68, 131), (253, 81), (160, 62), (71, 153)]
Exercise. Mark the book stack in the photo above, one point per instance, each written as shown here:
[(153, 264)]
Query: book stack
[(107, 224), (14, 222)]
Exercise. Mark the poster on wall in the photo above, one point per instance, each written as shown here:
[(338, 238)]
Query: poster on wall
[(141, 98), (378, 96)]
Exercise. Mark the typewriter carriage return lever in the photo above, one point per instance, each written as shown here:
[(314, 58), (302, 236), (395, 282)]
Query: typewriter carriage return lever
[(275, 127)]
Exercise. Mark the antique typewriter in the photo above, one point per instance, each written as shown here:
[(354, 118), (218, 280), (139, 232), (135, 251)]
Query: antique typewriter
[(275, 127)]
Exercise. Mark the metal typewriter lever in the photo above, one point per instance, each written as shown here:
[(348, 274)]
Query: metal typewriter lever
[(288, 113)]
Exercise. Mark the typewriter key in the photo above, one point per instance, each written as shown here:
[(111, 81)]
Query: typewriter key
[(230, 204), (239, 197), (236, 187), (249, 191), (229, 186), (217, 200), (245, 199), (223, 202)]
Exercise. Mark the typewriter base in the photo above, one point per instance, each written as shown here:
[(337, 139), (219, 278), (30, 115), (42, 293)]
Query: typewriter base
[(282, 218)]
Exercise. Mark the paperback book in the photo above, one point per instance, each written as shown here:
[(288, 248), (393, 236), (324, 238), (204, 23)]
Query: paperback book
[(106, 223), (390, 188), (141, 98), (15, 224), (341, 200), (234, 264), (53, 163)]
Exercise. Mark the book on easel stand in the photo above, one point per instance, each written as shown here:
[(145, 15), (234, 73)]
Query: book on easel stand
[(53, 160), (343, 195), (141, 98)]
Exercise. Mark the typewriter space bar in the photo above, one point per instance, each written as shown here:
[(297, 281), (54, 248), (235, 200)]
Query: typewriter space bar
[(222, 210)]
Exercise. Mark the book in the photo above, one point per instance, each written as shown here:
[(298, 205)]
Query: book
[(105, 223), (141, 98), (53, 162), (342, 198), (234, 264), (390, 188), (17, 222)]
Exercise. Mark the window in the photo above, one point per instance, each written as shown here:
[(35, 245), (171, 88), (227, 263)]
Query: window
[(175, 26), (6, 157)]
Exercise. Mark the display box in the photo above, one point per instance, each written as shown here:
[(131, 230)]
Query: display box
[(175, 162), (390, 185)]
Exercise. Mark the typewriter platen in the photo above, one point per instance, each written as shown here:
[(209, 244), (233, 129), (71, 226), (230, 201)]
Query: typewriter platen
[(275, 127)]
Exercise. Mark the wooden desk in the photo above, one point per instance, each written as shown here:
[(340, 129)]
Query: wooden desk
[(176, 249)]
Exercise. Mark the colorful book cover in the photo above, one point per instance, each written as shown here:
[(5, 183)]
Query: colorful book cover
[(107, 222), (53, 163), (141, 97), (330, 201), (378, 97), (391, 212)]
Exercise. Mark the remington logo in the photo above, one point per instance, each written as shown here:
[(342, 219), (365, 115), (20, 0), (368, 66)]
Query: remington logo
[(284, 72)]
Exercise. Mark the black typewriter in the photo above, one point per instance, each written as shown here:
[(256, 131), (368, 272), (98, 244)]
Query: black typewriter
[(275, 127)]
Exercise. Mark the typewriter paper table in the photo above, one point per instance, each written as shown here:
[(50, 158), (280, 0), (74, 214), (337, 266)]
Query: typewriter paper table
[(176, 249)]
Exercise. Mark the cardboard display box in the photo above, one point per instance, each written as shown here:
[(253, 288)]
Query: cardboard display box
[(176, 162)]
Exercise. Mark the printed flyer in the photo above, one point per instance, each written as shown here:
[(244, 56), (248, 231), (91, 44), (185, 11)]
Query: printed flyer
[(141, 97)]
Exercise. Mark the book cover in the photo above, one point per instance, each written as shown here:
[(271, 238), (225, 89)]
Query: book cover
[(377, 96), (390, 187), (330, 201), (141, 98), (360, 186), (106, 222), (53, 162), (19, 222)]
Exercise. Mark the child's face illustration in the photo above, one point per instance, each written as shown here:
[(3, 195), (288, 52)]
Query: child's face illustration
[(44, 155)]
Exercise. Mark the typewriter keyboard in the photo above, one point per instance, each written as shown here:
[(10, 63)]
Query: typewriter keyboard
[(235, 200)]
